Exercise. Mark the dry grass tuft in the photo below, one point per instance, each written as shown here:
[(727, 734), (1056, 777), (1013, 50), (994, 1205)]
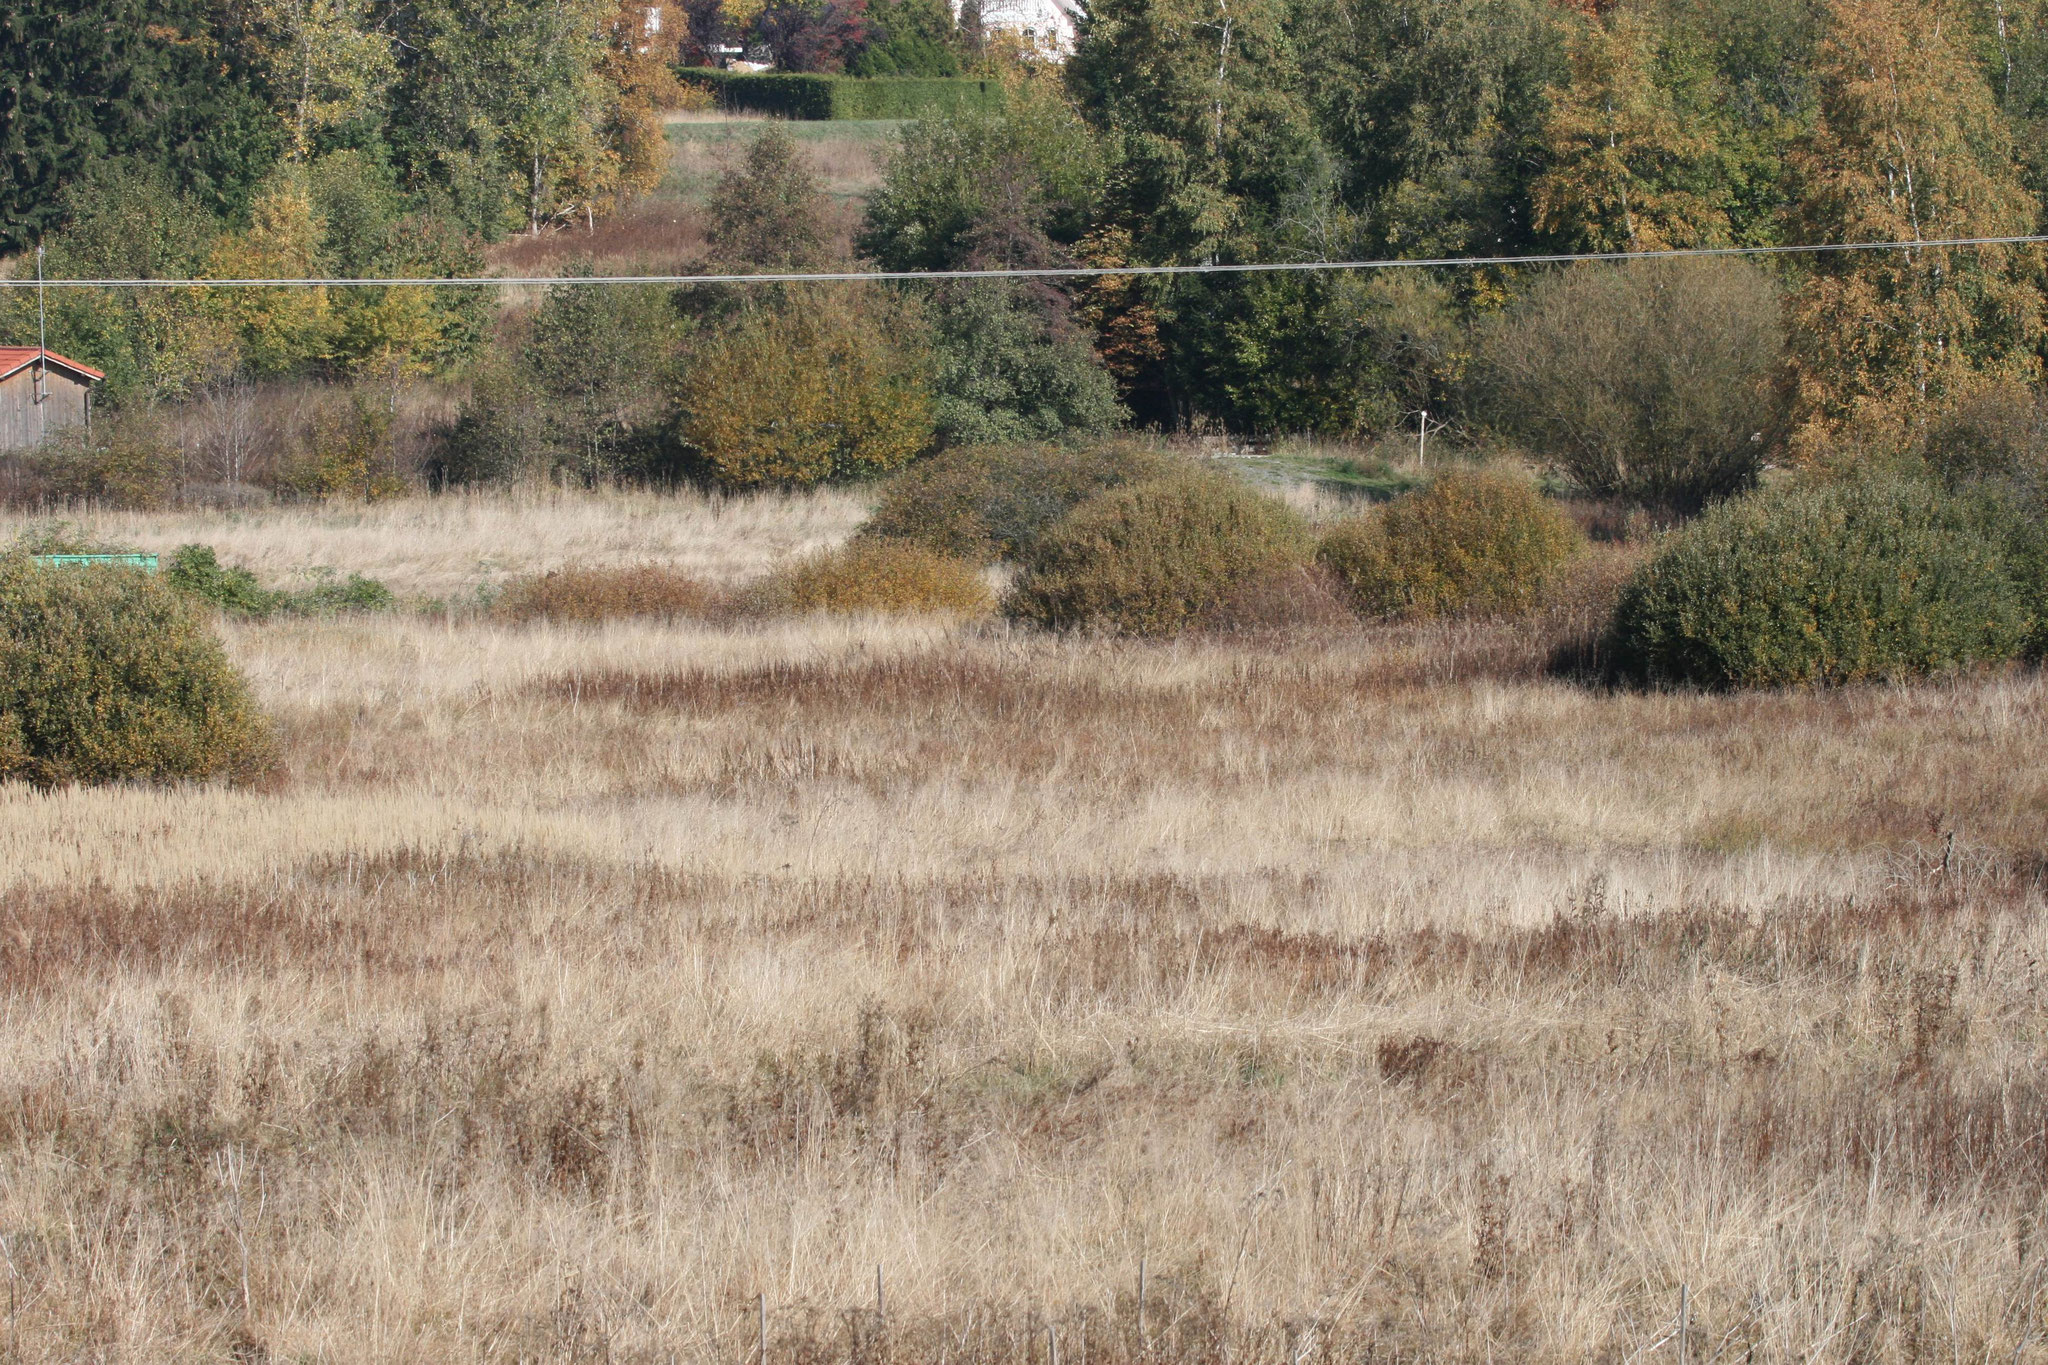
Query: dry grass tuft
[(877, 576)]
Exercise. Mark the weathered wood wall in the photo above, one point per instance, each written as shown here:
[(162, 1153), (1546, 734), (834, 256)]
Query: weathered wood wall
[(64, 405)]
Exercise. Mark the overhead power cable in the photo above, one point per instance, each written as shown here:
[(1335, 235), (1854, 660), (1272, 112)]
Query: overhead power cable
[(1039, 273)]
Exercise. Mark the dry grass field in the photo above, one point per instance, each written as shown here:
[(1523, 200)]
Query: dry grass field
[(664, 230), (1360, 994)]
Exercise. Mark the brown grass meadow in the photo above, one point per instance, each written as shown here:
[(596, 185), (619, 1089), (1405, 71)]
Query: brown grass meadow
[(606, 992)]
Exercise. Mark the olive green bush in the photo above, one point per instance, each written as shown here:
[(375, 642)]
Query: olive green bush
[(108, 675), (1869, 578), (1654, 382), (876, 576), (989, 503), (1154, 558), (1479, 542)]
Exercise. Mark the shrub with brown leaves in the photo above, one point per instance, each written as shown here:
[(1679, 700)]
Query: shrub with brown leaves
[(588, 593)]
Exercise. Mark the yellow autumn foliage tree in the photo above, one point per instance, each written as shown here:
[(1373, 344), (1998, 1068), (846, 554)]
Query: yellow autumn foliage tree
[(1909, 146), (280, 329), (1628, 170), (796, 394)]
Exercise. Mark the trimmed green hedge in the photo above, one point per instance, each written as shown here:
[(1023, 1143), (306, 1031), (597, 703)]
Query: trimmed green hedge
[(802, 96)]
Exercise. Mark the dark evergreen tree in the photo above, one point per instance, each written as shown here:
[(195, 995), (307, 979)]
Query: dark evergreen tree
[(162, 85)]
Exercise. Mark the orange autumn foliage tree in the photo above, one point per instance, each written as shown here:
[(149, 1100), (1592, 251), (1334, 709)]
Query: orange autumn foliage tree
[(1909, 146)]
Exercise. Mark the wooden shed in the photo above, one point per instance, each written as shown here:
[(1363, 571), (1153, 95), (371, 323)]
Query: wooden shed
[(40, 393)]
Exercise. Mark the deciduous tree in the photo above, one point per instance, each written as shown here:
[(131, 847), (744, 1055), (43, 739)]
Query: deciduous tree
[(1909, 147)]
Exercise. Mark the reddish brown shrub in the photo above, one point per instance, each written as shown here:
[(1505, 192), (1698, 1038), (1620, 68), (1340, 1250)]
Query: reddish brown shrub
[(583, 593)]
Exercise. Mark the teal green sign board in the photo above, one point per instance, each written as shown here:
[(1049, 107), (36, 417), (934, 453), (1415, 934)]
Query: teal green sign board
[(124, 561)]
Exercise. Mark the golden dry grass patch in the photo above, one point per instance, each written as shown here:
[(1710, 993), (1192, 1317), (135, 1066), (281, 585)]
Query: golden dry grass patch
[(448, 545), (1382, 995)]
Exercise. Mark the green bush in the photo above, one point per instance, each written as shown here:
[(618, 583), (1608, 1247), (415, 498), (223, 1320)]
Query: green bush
[(806, 96), (108, 675), (1465, 542), (1864, 579), (988, 503), (197, 572), (877, 577), (1154, 558)]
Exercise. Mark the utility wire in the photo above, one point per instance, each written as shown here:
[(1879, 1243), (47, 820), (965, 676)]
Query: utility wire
[(1049, 272)]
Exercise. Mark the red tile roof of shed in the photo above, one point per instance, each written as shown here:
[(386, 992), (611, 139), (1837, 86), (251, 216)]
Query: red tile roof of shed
[(13, 358)]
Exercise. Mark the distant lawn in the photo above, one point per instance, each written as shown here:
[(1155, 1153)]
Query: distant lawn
[(1361, 474), (847, 154)]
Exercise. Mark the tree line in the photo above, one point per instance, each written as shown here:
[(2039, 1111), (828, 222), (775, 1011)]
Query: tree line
[(343, 136)]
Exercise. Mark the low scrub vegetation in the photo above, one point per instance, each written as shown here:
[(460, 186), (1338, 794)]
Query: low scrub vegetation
[(1477, 542), (589, 593), (990, 503), (1152, 558), (876, 577), (1867, 578), (196, 571), (107, 675)]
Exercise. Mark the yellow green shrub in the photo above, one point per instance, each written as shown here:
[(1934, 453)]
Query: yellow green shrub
[(108, 675), (878, 576), (991, 502), (1475, 542), (796, 394), (1154, 558)]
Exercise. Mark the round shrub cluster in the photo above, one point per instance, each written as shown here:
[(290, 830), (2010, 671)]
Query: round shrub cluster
[(108, 675), (1154, 558), (989, 503), (878, 576), (1466, 542), (1865, 579)]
